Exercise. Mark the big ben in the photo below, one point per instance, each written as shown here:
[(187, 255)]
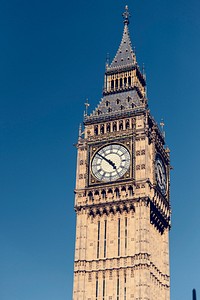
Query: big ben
[(122, 191)]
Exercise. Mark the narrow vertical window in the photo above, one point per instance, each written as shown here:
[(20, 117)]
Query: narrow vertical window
[(129, 81), (97, 284), (118, 237), (108, 127), (124, 286), (103, 193), (117, 193), (130, 189), (96, 130), (102, 129), (118, 287), (116, 83), (125, 81), (105, 233), (90, 196), (126, 235), (114, 126), (127, 124), (121, 125), (104, 286), (112, 84), (98, 239)]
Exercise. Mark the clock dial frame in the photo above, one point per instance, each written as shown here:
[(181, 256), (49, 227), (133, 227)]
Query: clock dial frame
[(110, 162), (161, 175)]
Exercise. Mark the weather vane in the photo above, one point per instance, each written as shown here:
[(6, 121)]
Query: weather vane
[(126, 15)]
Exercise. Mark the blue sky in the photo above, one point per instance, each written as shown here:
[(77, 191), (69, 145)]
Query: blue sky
[(52, 58)]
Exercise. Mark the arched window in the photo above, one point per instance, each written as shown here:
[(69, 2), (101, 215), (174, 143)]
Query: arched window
[(108, 127), (117, 193), (129, 81), (103, 193), (116, 83), (96, 130), (121, 84), (114, 126), (123, 189), (112, 84), (90, 196), (130, 191), (121, 125), (107, 103), (127, 124), (125, 81), (102, 129), (117, 101), (96, 195), (110, 194)]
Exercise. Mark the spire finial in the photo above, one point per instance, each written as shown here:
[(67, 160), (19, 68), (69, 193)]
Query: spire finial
[(86, 107), (107, 60), (126, 15), (162, 124), (79, 131)]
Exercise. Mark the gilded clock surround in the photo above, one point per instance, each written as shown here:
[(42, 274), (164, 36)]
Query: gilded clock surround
[(93, 148), (122, 228)]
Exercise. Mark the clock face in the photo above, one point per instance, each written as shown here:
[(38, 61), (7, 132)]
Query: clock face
[(161, 174), (111, 162)]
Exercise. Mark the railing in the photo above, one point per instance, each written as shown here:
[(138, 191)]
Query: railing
[(115, 114)]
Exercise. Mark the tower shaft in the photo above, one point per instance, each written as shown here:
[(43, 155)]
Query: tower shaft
[(122, 192)]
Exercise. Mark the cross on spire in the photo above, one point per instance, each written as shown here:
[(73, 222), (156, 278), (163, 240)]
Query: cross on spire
[(126, 15)]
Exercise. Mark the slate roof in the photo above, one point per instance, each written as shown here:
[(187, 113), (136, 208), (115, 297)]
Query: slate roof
[(116, 104), (125, 56)]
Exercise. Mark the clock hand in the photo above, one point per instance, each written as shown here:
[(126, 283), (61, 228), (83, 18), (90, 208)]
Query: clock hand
[(108, 160), (161, 177)]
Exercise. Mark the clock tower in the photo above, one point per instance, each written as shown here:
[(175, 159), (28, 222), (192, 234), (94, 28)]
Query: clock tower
[(122, 191)]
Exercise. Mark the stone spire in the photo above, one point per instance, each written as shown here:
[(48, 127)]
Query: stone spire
[(125, 56), (125, 85)]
